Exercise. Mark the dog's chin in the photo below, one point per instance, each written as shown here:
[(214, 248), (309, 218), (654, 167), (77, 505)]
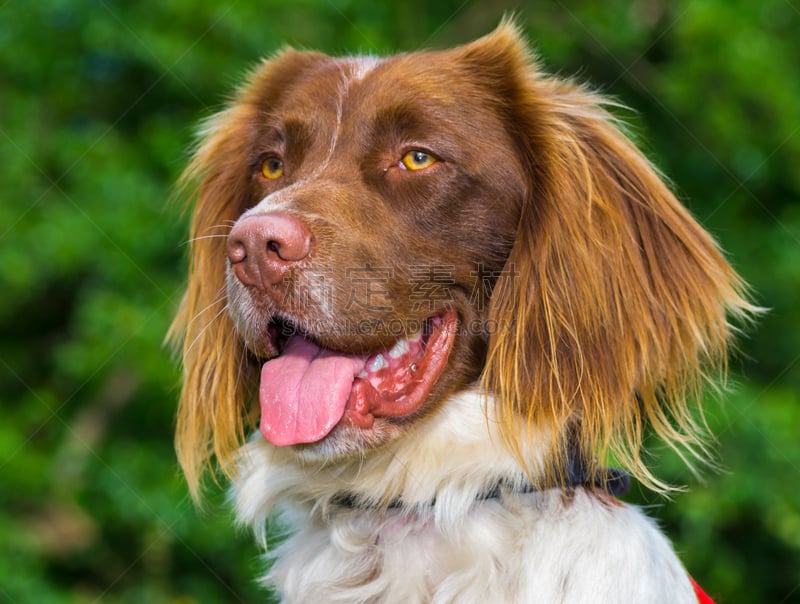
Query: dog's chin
[(346, 442)]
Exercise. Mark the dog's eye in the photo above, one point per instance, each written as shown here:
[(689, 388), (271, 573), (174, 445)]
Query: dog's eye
[(417, 160), (272, 168)]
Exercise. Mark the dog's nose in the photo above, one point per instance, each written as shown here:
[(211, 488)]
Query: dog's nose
[(262, 248)]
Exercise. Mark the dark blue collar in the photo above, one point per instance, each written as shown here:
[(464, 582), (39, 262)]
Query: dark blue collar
[(613, 481)]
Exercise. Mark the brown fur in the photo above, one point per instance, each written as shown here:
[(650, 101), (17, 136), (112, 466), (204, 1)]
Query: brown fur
[(610, 302)]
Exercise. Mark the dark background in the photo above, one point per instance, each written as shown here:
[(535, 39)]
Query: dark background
[(98, 104)]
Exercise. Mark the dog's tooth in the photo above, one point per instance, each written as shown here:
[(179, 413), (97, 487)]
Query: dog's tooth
[(399, 349), (377, 364)]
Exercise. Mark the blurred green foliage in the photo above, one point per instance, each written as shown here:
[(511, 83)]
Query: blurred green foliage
[(98, 101)]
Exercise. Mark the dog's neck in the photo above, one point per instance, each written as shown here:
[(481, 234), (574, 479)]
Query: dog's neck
[(398, 477), (612, 481)]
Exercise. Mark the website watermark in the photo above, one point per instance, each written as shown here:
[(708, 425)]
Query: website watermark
[(376, 290)]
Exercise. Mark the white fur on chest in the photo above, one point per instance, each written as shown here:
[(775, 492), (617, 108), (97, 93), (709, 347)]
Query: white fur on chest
[(531, 548), (547, 547)]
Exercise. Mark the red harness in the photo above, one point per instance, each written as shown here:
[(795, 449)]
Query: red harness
[(702, 597)]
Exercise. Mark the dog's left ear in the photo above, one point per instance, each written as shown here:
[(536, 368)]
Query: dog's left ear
[(614, 303)]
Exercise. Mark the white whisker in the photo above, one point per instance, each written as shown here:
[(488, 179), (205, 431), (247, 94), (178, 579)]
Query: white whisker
[(207, 326)]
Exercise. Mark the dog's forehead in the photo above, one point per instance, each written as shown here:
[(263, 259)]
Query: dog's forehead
[(365, 84)]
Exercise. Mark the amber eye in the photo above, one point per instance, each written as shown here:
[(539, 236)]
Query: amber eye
[(272, 168), (417, 160)]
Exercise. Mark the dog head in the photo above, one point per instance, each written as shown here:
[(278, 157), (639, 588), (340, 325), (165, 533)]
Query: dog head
[(370, 236)]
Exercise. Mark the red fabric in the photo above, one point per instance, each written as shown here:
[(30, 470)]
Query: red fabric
[(702, 597)]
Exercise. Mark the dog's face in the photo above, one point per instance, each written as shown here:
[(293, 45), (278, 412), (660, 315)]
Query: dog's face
[(372, 229), (371, 236)]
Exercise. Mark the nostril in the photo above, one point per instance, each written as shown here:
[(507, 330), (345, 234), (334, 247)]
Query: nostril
[(237, 251), (287, 238)]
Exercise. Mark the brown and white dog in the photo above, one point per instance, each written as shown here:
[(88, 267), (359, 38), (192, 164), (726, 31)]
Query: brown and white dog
[(446, 284)]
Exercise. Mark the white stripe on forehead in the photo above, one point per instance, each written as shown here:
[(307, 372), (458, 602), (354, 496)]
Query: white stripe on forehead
[(362, 66), (359, 67), (352, 69)]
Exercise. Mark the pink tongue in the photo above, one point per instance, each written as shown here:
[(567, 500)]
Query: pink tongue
[(304, 391)]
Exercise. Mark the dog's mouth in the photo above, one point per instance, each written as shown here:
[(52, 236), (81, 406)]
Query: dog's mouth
[(307, 390)]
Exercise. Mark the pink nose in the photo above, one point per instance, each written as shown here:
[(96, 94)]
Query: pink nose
[(262, 248)]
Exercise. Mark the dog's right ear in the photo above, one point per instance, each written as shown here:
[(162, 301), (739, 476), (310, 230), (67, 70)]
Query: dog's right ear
[(217, 376)]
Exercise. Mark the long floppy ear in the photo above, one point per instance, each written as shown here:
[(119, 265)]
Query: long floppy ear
[(218, 378), (613, 308)]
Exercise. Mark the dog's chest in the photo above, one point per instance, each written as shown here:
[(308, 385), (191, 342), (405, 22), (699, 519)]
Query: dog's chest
[(535, 549), (369, 558)]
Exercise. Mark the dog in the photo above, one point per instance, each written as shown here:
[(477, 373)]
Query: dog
[(445, 286)]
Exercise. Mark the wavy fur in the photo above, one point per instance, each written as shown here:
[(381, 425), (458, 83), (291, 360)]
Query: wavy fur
[(608, 311)]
